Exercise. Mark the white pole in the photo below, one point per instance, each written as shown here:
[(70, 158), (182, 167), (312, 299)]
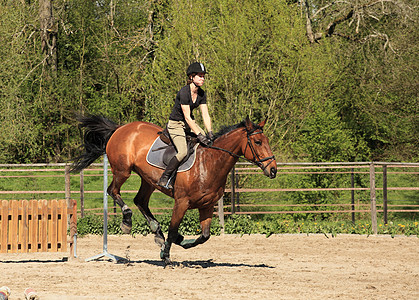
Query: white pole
[(105, 217), (105, 204)]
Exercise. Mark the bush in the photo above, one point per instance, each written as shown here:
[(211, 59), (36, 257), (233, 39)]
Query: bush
[(239, 224), (245, 224), (93, 224), (90, 224)]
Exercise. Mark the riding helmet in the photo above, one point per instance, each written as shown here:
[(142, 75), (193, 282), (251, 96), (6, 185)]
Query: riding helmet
[(196, 67)]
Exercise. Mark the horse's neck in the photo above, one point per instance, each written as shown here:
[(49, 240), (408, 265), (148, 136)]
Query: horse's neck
[(231, 143), (215, 164)]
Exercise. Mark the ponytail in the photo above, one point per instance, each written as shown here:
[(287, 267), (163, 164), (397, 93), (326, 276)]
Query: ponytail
[(190, 80)]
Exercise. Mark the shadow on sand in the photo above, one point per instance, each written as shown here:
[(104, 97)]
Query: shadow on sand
[(46, 261), (198, 264)]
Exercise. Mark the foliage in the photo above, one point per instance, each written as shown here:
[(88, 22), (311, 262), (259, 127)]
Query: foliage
[(350, 96), (90, 224), (275, 226), (93, 224), (239, 224), (245, 224)]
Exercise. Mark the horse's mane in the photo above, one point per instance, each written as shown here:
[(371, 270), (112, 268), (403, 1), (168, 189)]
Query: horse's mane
[(227, 129)]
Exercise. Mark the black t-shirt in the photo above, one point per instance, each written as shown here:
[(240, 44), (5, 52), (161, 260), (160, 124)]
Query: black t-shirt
[(184, 97)]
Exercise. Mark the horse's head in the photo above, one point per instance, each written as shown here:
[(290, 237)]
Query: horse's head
[(257, 149)]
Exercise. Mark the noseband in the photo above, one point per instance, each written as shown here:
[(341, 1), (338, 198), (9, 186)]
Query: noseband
[(256, 159)]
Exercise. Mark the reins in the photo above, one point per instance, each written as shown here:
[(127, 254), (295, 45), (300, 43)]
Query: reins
[(256, 159)]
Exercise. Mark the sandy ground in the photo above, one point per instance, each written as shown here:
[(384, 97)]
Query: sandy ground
[(226, 267)]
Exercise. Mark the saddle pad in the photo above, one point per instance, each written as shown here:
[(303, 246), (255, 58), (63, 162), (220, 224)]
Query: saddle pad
[(155, 156)]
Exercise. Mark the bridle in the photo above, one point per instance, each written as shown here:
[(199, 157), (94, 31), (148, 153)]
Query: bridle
[(256, 158)]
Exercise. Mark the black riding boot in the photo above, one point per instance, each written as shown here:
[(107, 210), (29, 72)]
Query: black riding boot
[(170, 169)]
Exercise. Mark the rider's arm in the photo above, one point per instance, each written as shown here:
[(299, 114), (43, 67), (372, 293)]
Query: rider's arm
[(206, 117), (191, 123)]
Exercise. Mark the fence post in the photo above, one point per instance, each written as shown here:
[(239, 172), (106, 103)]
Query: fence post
[(373, 199), (73, 229), (221, 212), (82, 193), (385, 193), (237, 194), (67, 186), (233, 189), (353, 195)]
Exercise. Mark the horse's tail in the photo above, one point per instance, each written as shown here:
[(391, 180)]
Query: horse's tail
[(99, 129)]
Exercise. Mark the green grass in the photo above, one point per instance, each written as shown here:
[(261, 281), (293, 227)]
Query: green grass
[(93, 181), (319, 178), (328, 224), (55, 181)]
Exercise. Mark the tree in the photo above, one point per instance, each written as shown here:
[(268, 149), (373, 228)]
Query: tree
[(353, 20), (376, 90), (356, 73), (258, 60), (48, 32)]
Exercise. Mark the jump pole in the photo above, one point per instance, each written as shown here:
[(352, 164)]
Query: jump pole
[(105, 253)]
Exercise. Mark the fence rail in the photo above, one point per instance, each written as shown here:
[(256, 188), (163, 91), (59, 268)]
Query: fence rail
[(244, 169)]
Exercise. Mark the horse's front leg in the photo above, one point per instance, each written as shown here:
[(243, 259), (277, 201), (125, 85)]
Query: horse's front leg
[(205, 217), (173, 236)]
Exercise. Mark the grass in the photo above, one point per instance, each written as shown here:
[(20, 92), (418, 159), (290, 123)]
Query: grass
[(330, 178), (328, 224), (93, 181), (55, 181)]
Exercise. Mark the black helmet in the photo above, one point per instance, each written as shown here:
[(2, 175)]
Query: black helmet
[(196, 67)]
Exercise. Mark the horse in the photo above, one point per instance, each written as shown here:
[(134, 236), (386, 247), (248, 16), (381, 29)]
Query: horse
[(199, 188)]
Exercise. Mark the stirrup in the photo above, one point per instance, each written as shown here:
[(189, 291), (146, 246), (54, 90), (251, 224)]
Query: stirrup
[(167, 185)]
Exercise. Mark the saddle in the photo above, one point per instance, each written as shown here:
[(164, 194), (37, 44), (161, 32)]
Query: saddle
[(163, 150)]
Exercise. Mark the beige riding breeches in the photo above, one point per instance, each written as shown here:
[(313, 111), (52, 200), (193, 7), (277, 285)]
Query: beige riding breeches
[(177, 130)]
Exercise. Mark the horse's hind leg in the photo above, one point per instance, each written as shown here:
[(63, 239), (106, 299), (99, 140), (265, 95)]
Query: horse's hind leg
[(114, 190), (142, 200)]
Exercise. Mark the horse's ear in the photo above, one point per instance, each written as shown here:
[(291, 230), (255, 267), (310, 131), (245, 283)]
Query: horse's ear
[(261, 124), (249, 125)]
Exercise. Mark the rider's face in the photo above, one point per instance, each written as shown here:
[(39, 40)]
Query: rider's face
[(199, 79)]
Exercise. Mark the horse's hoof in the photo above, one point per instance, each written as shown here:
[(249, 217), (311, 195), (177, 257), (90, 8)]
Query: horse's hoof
[(186, 244), (167, 263), (159, 240), (125, 228)]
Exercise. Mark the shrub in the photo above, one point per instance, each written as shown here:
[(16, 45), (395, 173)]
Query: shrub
[(245, 224), (93, 224)]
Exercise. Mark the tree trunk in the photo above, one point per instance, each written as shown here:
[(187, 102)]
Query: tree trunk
[(309, 28), (49, 32)]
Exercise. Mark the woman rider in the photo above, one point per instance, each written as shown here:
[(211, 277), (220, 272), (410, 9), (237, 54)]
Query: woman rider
[(181, 119)]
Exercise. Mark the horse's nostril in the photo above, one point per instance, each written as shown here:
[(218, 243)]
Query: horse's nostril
[(273, 172)]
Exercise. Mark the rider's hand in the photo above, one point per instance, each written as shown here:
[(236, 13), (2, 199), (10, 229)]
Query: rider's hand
[(203, 139), (211, 136)]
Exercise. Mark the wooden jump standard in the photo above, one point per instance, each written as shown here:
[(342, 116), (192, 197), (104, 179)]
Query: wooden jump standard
[(37, 226)]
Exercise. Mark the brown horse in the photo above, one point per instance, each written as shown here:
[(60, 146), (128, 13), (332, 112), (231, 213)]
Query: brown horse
[(200, 187)]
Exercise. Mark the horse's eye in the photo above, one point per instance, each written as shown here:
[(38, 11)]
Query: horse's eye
[(258, 143)]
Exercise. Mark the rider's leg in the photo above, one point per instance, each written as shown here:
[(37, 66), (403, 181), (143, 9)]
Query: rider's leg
[(176, 130), (170, 169)]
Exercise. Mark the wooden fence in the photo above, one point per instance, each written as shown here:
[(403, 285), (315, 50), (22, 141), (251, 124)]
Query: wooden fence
[(234, 191), (331, 168), (37, 226)]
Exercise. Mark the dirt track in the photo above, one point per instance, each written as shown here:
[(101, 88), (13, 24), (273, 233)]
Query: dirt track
[(229, 267)]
